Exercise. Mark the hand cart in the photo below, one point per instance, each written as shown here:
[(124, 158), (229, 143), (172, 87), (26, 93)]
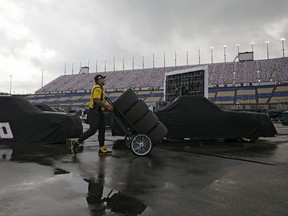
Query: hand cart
[(139, 143)]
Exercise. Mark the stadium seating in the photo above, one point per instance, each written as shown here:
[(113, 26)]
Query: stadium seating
[(246, 95), (264, 93), (225, 95), (248, 82), (280, 94)]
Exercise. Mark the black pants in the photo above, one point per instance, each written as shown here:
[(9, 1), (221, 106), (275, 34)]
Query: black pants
[(96, 121)]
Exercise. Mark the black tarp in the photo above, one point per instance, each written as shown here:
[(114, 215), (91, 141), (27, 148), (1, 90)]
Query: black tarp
[(30, 125), (198, 118), (45, 107)]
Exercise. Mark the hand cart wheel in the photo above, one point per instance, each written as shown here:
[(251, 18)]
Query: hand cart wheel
[(128, 139), (141, 145)]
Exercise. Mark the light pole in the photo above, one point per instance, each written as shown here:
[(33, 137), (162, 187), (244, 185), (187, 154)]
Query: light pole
[(104, 64), (143, 61), (42, 70), (199, 55), (252, 46), (175, 58), (267, 46), (114, 64), (164, 59), (187, 57), (211, 49), (238, 48), (153, 60), (133, 63), (283, 47), (123, 60), (10, 84), (96, 65), (65, 69), (224, 47)]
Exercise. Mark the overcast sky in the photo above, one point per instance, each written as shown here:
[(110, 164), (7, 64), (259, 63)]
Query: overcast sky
[(47, 34)]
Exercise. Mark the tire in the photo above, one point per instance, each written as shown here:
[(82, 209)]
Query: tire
[(147, 123), (137, 111), (158, 133), (141, 145), (124, 102)]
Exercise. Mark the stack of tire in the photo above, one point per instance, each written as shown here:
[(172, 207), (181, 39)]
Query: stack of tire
[(132, 110)]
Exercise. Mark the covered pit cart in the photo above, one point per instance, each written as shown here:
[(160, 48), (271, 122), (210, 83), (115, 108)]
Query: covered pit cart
[(140, 126)]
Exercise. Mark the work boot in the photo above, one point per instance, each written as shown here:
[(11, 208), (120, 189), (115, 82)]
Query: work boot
[(104, 151), (74, 146), (80, 148)]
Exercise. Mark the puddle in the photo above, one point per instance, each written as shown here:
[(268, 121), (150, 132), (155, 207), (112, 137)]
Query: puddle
[(104, 199), (101, 199)]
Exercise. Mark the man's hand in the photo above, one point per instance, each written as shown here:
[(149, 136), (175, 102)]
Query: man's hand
[(109, 107)]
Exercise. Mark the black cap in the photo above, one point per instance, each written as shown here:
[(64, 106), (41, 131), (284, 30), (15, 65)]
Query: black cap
[(97, 77)]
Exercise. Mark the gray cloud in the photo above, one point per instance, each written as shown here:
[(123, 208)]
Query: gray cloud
[(74, 31)]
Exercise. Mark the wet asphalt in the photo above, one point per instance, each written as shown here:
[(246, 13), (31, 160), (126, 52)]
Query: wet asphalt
[(179, 177)]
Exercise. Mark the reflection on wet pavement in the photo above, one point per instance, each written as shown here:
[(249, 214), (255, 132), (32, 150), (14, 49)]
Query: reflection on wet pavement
[(103, 200), (178, 178), (100, 199), (41, 154)]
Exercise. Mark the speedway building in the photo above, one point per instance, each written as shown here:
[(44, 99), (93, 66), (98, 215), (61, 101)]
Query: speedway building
[(243, 84)]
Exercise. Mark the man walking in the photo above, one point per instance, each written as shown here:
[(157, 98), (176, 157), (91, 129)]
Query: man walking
[(95, 116)]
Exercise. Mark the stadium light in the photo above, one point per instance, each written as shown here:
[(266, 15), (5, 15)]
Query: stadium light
[(211, 49), (187, 57), (10, 84), (238, 48), (283, 46), (267, 46), (224, 47), (252, 46), (132, 62), (164, 55)]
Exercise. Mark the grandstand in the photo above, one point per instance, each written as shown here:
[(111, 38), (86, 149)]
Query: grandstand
[(232, 85)]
